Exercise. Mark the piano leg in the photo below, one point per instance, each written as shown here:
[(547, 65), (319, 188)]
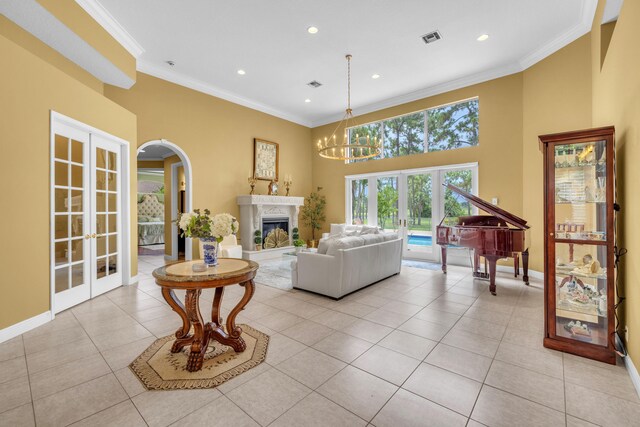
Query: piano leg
[(516, 265), (476, 262), (492, 273), (443, 249), (525, 266)]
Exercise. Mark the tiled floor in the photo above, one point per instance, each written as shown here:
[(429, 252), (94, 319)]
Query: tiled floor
[(417, 349)]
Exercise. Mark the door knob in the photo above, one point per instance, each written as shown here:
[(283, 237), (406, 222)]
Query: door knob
[(93, 235), (87, 236)]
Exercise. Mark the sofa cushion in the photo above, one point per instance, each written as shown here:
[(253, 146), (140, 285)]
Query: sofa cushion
[(372, 239), (369, 229), (337, 229), (344, 243), (389, 236)]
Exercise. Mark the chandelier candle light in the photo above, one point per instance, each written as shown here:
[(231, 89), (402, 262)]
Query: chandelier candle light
[(359, 147)]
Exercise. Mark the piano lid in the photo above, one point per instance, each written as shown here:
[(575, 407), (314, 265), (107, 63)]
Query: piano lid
[(489, 208)]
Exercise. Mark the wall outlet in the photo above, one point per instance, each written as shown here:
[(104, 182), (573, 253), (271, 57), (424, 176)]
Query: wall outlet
[(494, 201)]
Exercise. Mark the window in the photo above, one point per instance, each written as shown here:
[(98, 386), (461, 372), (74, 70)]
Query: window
[(359, 201), (441, 128)]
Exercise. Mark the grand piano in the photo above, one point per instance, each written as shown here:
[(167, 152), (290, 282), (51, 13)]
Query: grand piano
[(490, 236)]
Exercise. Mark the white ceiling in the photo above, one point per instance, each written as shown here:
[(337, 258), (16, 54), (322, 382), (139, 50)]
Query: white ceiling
[(155, 152), (209, 40)]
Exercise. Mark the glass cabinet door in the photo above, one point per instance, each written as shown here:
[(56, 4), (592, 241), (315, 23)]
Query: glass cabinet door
[(580, 229)]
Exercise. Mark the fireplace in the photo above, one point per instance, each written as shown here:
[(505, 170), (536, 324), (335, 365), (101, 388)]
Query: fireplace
[(269, 224)]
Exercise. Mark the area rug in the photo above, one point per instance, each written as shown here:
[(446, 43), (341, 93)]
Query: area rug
[(159, 369), (275, 272)]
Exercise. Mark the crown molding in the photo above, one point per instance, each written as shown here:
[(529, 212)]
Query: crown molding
[(113, 27), (200, 86), (425, 93), (580, 29)]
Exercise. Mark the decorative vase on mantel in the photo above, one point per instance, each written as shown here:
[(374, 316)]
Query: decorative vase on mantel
[(210, 249)]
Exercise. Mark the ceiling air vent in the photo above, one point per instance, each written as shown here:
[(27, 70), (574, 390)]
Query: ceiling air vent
[(314, 84), (431, 37)]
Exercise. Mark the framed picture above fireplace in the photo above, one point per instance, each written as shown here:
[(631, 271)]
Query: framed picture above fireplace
[(265, 160)]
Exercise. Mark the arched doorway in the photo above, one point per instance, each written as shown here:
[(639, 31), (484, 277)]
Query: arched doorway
[(158, 150)]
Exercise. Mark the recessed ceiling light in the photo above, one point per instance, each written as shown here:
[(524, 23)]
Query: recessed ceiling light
[(312, 30), (307, 100), (375, 76), (483, 37), (241, 72)]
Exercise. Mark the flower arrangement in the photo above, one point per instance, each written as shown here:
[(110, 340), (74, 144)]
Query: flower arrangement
[(203, 225)]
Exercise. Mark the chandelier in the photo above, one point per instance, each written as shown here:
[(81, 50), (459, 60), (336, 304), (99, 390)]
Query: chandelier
[(356, 148)]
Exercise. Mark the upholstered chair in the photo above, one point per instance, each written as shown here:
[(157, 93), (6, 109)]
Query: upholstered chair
[(228, 248)]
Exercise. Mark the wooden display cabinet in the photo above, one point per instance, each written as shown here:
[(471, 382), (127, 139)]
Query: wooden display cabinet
[(579, 184)]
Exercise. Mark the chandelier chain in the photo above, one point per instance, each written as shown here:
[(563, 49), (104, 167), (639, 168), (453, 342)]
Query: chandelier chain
[(348, 82)]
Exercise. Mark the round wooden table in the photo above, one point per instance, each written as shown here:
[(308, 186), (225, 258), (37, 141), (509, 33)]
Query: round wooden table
[(180, 275)]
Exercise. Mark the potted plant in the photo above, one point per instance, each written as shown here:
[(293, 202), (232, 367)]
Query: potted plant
[(257, 239), (299, 244), (313, 214)]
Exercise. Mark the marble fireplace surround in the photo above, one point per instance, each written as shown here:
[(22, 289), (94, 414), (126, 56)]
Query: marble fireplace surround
[(254, 208)]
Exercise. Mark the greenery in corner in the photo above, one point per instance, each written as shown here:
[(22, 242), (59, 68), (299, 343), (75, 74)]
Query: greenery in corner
[(295, 233), (257, 239), (298, 243), (313, 214)]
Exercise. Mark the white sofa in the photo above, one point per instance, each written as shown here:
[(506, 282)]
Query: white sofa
[(351, 262)]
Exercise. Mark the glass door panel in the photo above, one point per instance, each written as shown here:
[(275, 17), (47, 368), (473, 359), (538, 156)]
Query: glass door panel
[(387, 199), (454, 204), (359, 201), (419, 216), (581, 292)]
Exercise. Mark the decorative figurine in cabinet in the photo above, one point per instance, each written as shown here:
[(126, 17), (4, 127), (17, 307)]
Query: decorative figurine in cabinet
[(579, 183)]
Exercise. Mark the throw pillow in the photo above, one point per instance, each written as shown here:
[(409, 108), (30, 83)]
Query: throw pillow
[(337, 229), (369, 229)]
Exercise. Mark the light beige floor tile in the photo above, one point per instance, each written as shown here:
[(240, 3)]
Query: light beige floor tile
[(161, 408), (130, 382), (577, 422), (448, 307), (600, 408), (149, 314), (387, 318), (402, 307), (256, 310), (76, 403), (357, 391), (54, 380), (543, 361), (439, 317), (119, 357), (14, 393), (122, 414), (386, 364), (488, 315), (408, 410), (281, 321), (424, 329), (222, 412), (368, 331), (22, 416), (281, 348), (120, 337), (306, 310), (372, 300), (308, 332), (33, 344), (408, 344), (470, 365), (600, 378), (268, 396), (525, 324), (452, 296), (527, 339), (498, 408), (334, 319), (473, 423), (12, 369), (236, 382), (62, 320), (451, 390), (542, 389), (354, 308), (311, 367), (317, 411), (479, 327), (60, 355), (472, 342), (11, 349), (342, 346), (101, 327), (163, 326)]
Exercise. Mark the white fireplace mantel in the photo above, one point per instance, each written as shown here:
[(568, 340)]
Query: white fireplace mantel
[(253, 208)]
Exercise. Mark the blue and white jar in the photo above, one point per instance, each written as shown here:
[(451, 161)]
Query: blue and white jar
[(210, 249)]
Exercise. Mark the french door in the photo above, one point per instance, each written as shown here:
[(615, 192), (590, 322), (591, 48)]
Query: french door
[(411, 203), (86, 238)]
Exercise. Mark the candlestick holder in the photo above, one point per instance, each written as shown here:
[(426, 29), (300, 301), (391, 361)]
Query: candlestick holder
[(252, 183), (287, 184)]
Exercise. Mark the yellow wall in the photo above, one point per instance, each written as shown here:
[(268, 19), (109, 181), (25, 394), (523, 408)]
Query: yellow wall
[(150, 164), (27, 41), (556, 98), (30, 88), (217, 135), (499, 152), (77, 20), (616, 101)]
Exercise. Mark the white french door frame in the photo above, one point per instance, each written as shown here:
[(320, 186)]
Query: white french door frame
[(437, 194), (125, 192), (174, 210)]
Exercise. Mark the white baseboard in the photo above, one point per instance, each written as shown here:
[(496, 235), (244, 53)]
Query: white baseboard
[(25, 326), (170, 258), (133, 279), (633, 373)]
